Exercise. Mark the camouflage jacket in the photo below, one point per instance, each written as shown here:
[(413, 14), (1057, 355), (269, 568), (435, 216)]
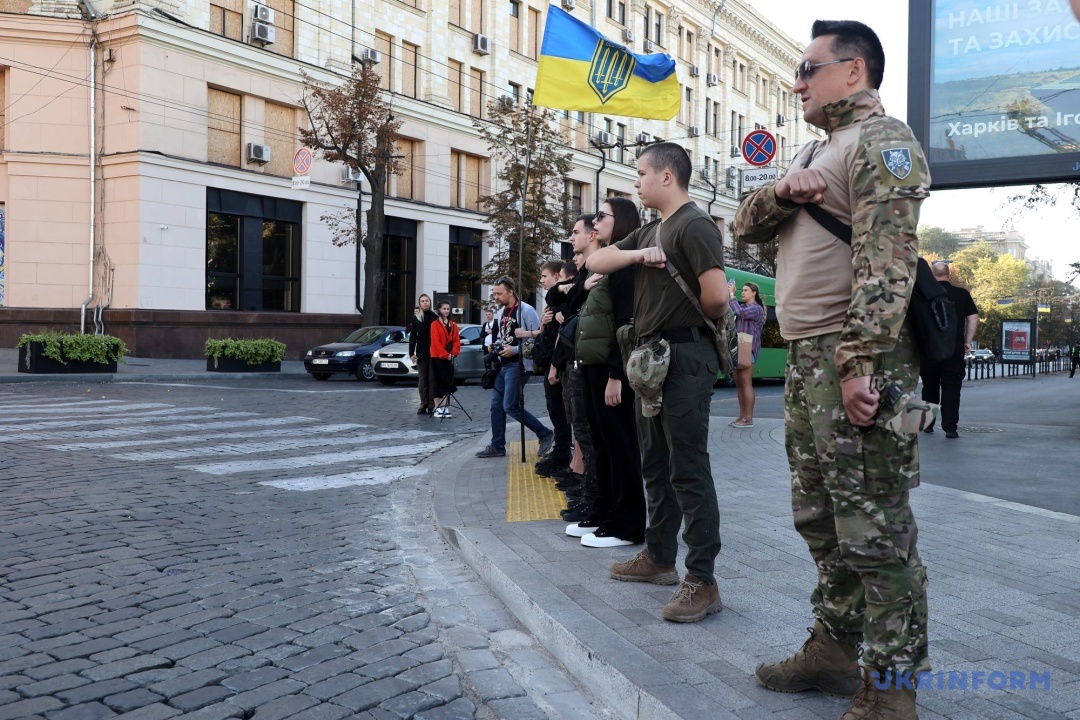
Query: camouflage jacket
[(876, 178)]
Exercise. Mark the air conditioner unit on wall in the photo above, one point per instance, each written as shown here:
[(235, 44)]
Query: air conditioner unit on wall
[(781, 120), (262, 32), (649, 46), (370, 55), (569, 4), (262, 13), (706, 174), (258, 153), (628, 35), (643, 137), (605, 138), (695, 131), (712, 79), (695, 71), (732, 177), (481, 44), (349, 175), (735, 152)]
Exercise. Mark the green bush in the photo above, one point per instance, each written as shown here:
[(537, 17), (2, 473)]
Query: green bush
[(76, 346), (253, 352)]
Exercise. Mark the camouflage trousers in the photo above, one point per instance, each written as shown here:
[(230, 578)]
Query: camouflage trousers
[(849, 497)]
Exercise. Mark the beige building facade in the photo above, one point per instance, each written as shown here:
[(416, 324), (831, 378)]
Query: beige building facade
[(147, 151)]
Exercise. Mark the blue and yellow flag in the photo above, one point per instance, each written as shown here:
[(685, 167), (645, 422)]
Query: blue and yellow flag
[(1005, 301), (580, 69)]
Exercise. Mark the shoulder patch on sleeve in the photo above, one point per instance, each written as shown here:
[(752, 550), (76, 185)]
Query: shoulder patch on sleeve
[(900, 169)]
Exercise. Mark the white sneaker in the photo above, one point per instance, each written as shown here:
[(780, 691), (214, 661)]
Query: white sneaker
[(443, 412), (578, 530), (607, 541)]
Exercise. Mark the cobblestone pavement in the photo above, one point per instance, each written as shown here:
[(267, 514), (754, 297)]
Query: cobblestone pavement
[(221, 552)]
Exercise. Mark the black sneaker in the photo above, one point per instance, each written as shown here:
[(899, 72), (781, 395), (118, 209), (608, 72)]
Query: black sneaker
[(572, 481), (577, 513), (422, 411), (491, 451), (549, 466)]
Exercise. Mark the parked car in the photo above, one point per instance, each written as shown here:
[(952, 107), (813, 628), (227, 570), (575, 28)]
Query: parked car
[(981, 355), (392, 363), (352, 353)]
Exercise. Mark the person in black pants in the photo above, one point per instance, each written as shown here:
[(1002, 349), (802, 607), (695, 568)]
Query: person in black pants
[(420, 352), (942, 380), (559, 457), (1074, 356)]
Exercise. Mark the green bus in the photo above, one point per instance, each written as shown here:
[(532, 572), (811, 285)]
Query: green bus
[(773, 356)]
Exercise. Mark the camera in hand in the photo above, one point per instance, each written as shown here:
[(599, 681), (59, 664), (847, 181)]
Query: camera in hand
[(493, 356)]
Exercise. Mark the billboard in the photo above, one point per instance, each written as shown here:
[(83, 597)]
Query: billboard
[(1018, 341), (994, 90)]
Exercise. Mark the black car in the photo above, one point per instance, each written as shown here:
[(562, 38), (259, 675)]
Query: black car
[(352, 353)]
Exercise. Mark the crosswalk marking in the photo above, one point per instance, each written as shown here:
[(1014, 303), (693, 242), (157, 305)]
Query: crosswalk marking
[(228, 468), (266, 447), (330, 482), (79, 409), (242, 435), (174, 415), (90, 432)]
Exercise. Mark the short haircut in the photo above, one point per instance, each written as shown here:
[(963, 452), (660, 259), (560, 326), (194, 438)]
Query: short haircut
[(586, 218), (552, 266), (669, 156), (569, 269), (508, 284), (853, 39)]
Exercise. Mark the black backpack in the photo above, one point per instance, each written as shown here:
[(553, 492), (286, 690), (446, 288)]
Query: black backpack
[(932, 314)]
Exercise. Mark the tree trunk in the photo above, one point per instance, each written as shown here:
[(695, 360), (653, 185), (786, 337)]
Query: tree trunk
[(373, 252)]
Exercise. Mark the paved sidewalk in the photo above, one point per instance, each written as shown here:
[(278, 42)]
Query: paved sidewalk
[(140, 370), (1003, 593)]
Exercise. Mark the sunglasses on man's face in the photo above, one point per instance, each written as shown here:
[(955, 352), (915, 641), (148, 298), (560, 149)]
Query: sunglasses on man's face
[(806, 69)]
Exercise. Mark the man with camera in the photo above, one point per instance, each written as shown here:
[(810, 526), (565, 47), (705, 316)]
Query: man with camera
[(514, 370)]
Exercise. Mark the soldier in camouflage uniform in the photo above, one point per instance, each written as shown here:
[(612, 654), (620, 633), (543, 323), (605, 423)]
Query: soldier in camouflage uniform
[(842, 309)]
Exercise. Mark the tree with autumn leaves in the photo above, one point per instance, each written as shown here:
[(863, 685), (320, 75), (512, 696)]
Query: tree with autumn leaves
[(352, 123)]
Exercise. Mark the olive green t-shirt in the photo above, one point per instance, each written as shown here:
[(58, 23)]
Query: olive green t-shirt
[(692, 241)]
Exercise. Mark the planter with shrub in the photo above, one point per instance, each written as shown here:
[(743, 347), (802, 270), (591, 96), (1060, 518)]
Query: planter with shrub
[(244, 355), (54, 352)]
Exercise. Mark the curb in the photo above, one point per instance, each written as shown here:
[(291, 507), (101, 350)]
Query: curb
[(576, 638)]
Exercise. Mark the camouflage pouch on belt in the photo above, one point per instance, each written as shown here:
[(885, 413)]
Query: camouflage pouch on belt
[(903, 412), (646, 371)]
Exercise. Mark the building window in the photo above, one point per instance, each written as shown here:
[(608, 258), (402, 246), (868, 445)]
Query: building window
[(455, 77), (717, 62), (466, 180), (738, 75), (763, 92), (404, 185), (533, 47), (457, 13), (385, 45), (227, 18), (280, 135), (284, 26), (253, 250), (223, 127), (515, 92), (476, 92), (620, 150), (616, 10), (575, 192), (465, 266), (476, 23), (716, 119), (3, 108), (686, 45), (515, 26), (410, 76), (688, 106), (399, 271)]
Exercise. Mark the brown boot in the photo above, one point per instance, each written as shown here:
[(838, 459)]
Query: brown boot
[(641, 569), (693, 601), (873, 703), (823, 663)]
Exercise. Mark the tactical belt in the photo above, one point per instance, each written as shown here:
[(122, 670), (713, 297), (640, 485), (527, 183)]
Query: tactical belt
[(679, 335)]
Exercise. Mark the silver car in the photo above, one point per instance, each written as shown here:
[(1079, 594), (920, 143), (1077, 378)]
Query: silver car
[(392, 363)]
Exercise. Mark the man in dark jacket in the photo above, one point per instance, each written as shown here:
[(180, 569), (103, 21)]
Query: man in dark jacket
[(420, 352), (942, 380)]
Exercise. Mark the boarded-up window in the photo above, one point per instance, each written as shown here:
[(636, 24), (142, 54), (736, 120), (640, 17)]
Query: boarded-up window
[(384, 44), (532, 48), (227, 18), (476, 21), (456, 12), (3, 107), (410, 78), (456, 88), (515, 25), (477, 92), (404, 185), (223, 127), (284, 24), (280, 135), (466, 184)]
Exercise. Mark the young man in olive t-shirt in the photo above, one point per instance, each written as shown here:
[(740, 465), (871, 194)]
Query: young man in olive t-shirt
[(674, 443)]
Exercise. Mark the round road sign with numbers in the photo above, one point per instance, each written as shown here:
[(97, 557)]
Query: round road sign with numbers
[(759, 147), (301, 161)]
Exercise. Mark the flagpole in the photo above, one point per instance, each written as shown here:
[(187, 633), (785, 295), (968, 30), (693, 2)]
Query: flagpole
[(521, 251)]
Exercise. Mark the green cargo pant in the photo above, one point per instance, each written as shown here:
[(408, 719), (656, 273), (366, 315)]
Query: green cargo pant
[(849, 496)]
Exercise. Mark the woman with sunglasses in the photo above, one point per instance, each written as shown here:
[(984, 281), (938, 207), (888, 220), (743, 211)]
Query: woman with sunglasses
[(749, 319), (618, 513)]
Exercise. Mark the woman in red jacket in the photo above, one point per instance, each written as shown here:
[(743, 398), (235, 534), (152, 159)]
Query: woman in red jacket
[(445, 346)]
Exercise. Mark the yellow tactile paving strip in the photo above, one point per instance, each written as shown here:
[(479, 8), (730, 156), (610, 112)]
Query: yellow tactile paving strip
[(529, 496)]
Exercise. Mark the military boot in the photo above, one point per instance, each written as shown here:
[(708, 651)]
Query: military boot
[(873, 703), (823, 663)]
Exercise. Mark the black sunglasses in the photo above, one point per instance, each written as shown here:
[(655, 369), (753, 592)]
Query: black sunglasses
[(600, 215), (806, 69)]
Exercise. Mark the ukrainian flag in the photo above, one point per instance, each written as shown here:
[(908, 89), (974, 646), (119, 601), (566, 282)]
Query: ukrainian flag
[(580, 69)]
